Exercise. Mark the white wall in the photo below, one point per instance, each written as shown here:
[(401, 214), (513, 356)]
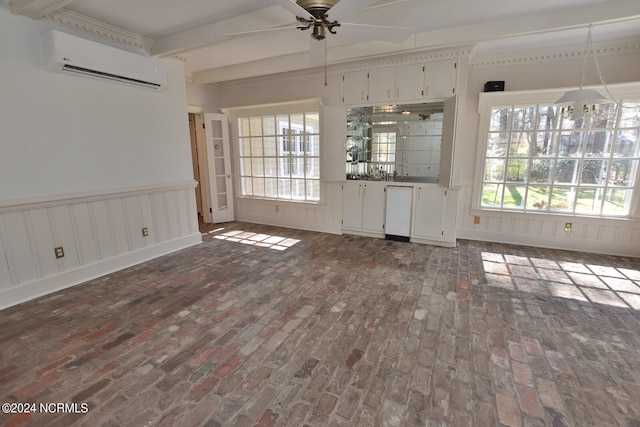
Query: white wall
[(64, 134), (85, 164), (612, 236), (325, 216), (521, 71)]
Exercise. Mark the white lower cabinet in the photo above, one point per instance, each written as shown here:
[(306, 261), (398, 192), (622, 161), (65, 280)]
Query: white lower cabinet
[(428, 214), (363, 206), (432, 215)]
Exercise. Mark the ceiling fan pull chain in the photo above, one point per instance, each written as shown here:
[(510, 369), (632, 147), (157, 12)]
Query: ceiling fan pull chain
[(326, 67)]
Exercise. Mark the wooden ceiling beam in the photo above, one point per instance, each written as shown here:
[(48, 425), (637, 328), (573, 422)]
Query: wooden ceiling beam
[(36, 9)]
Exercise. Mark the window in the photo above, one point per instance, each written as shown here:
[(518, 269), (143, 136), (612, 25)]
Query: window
[(383, 147), (280, 156), (537, 159)]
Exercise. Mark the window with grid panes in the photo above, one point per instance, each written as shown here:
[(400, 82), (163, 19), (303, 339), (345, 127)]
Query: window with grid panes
[(383, 149), (539, 160), (280, 156)]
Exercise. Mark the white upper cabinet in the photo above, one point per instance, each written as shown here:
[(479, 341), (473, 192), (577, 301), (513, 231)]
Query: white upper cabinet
[(409, 81), (404, 83), (440, 79), (382, 84), (355, 88)]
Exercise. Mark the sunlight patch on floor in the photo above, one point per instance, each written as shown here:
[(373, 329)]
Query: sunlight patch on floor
[(256, 239), (619, 287)]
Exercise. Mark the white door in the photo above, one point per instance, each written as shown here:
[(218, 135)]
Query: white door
[(219, 160)]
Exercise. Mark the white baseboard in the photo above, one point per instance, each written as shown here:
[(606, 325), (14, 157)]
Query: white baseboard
[(289, 223), (47, 285), (433, 242), (551, 242)]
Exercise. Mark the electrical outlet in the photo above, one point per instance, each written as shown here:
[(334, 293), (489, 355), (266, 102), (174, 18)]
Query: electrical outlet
[(568, 226), (476, 220), (145, 232), (59, 252), (277, 208)]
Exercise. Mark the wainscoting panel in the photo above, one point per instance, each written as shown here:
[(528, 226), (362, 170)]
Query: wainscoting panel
[(22, 267), (99, 233), (85, 238), (160, 223), (101, 218), (5, 276), (37, 222), (587, 234)]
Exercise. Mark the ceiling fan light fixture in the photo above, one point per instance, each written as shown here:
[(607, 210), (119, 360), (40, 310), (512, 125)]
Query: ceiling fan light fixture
[(317, 8), (318, 31)]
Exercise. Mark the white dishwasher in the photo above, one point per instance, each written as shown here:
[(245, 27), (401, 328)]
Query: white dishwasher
[(398, 218)]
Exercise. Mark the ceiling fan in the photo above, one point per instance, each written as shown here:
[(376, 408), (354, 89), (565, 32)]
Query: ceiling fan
[(325, 16), (319, 18), (322, 16)]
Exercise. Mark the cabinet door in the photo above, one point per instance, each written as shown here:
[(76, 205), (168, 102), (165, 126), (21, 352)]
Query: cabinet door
[(440, 79), (428, 212), (409, 82), (352, 205), (334, 139), (448, 138), (355, 87), (382, 84), (373, 204)]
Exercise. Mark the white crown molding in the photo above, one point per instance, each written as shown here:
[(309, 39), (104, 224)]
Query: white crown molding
[(625, 47), (104, 31), (358, 65)]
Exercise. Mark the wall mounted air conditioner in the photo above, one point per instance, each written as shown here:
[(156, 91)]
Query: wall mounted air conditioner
[(74, 55)]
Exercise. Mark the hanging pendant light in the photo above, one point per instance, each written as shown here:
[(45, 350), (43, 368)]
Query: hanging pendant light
[(580, 102)]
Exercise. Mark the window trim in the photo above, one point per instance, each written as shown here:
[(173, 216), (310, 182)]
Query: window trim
[(293, 107), (487, 100)]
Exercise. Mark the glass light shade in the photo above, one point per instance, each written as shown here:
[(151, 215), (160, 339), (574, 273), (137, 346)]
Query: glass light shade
[(584, 96), (580, 102)]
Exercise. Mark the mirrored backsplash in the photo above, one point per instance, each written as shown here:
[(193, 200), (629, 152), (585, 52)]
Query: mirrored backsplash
[(397, 141)]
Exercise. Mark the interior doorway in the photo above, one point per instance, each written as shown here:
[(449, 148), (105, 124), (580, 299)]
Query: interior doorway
[(200, 168)]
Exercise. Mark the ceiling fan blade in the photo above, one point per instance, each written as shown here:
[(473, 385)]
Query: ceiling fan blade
[(391, 27), (294, 8), (365, 32), (347, 8), (264, 30)]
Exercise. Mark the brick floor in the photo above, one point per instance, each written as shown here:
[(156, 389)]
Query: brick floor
[(275, 327)]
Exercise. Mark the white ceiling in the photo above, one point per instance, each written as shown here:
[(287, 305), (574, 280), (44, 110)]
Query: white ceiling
[(197, 30)]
